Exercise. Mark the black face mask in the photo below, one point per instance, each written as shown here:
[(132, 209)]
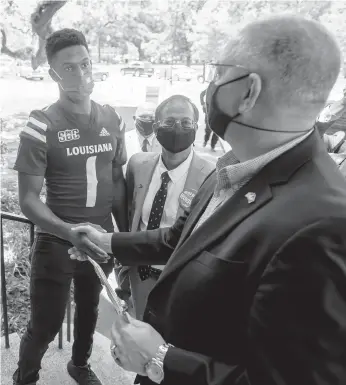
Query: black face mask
[(218, 121), (175, 139), (144, 127)]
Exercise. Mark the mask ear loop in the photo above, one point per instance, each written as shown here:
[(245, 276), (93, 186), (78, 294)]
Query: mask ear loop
[(56, 73), (59, 78)]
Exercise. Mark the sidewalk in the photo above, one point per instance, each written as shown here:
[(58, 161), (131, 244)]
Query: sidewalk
[(55, 360)]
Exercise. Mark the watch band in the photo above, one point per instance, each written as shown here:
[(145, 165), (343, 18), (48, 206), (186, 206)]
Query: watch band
[(161, 352), (157, 362)]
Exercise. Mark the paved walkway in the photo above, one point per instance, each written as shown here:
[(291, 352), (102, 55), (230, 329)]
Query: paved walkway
[(54, 363)]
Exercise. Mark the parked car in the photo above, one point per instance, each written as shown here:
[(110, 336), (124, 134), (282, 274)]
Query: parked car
[(99, 75), (24, 70), (178, 73), (200, 79), (183, 73), (138, 68)]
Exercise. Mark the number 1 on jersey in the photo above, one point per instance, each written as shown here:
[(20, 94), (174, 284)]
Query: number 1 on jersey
[(91, 181)]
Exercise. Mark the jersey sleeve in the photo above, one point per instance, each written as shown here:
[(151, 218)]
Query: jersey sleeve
[(117, 121), (32, 150)]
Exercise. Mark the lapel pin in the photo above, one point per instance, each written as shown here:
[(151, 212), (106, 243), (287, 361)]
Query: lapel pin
[(140, 186), (251, 197)]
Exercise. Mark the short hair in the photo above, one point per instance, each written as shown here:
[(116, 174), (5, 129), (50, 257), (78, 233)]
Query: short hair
[(298, 59), (176, 99), (64, 38), (147, 108)]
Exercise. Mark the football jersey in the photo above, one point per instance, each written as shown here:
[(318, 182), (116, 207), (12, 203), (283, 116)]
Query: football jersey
[(76, 154)]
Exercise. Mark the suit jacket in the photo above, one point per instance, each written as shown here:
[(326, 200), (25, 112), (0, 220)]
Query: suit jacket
[(133, 146), (138, 177), (257, 294)]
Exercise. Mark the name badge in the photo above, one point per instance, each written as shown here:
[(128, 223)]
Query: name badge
[(185, 198)]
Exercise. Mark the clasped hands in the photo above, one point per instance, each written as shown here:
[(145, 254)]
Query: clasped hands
[(86, 238), (133, 343)]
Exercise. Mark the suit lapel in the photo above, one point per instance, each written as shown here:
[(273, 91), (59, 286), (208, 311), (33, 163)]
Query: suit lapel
[(143, 174), (223, 221), (237, 208), (194, 179)]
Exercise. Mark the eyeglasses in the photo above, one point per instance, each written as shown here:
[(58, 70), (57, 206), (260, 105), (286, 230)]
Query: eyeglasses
[(216, 70), (185, 123)]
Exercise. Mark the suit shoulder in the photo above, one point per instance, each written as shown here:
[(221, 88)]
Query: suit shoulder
[(140, 157), (208, 166)]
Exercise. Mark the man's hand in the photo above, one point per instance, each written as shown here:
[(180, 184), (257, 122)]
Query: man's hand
[(77, 254), (136, 343), (85, 245), (90, 230)]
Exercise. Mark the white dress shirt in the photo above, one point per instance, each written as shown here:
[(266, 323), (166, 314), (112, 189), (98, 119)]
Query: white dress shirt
[(150, 139), (174, 189)]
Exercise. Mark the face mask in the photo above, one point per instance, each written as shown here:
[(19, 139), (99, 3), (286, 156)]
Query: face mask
[(175, 139), (219, 121), (82, 85), (144, 127)]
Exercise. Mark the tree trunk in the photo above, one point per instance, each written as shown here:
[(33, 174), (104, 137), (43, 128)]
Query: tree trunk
[(140, 52), (99, 48), (188, 59)]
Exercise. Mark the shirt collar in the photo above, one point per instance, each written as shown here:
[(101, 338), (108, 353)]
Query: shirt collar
[(179, 171), (141, 138), (231, 172)]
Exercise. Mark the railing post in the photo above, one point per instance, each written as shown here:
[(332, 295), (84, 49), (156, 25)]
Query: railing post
[(3, 290), (21, 219), (60, 338), (32, 234), (69, 318)]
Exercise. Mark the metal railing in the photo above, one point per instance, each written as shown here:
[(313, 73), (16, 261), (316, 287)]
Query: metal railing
[(22, 219)]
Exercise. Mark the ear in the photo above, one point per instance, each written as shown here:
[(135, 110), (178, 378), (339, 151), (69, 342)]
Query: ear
[(134, 118), (53, 75), (155, 127), (254, 87)]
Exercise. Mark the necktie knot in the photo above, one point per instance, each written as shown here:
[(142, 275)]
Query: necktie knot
[(165, 177)]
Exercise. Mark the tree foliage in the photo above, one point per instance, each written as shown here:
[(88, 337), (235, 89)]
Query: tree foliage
[(182, 30), (40, 27)]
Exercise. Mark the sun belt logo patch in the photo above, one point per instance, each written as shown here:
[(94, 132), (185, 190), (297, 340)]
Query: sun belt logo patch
[(68, 135), (104, 132)]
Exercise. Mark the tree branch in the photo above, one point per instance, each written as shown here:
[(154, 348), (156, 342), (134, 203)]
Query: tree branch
[(22, 54)]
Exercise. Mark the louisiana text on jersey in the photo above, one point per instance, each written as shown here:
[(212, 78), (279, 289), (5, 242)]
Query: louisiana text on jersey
[(77, 160)]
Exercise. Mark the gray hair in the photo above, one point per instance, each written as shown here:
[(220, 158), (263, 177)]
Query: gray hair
[(298, 59)]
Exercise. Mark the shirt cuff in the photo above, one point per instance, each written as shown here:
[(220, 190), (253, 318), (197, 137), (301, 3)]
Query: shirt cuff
[(106, 242)]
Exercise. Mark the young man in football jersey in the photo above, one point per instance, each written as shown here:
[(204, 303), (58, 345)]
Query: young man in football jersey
[(78, 147)]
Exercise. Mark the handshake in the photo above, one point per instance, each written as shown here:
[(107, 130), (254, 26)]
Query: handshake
[(90, 240)]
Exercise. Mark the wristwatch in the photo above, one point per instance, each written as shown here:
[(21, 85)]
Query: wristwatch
[(154, 367)]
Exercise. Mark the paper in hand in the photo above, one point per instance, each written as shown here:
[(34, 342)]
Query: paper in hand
[(119, 305)]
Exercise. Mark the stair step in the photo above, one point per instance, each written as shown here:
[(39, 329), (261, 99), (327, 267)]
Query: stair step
[(54, 362)]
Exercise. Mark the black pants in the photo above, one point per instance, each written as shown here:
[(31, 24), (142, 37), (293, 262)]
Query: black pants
[(207, 134), (51, 273)]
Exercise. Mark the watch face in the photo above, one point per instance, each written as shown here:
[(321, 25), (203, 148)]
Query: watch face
[(155, 372)]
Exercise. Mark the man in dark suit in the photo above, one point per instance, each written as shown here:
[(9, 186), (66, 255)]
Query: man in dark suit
[(254, 292)]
